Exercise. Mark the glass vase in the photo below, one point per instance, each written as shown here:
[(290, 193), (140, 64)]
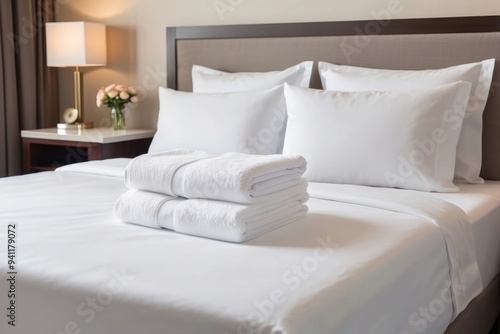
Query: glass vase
[(118, 119)]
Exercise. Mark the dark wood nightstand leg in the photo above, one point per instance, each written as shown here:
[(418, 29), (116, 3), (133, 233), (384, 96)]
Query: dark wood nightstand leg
[(26, 157)]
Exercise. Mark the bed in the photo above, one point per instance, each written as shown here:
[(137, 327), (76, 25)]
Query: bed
[(364, 260)]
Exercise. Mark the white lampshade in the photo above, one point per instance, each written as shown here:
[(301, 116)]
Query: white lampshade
[(76, 44)]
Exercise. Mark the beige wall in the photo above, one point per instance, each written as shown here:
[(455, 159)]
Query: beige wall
[(136, 35)]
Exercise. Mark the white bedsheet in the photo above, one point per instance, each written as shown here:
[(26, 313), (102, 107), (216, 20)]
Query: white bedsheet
[(448, 218), (345, 269), (481, 202)]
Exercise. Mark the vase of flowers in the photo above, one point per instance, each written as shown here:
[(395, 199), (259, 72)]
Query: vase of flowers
[(116, 97)]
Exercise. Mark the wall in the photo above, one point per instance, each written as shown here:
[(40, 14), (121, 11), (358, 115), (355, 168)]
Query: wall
[(136, 35)]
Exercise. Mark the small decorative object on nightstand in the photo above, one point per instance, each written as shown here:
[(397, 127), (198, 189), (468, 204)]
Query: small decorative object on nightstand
[(47, 149)]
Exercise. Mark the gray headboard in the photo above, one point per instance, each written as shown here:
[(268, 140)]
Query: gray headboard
[(396, 44)]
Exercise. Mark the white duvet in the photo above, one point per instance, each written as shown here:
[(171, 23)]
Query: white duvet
[(365, 260)]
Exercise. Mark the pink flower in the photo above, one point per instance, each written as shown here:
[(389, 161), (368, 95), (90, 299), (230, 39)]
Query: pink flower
[(101, 94), (113, 93), (124, 95), (109, 88)]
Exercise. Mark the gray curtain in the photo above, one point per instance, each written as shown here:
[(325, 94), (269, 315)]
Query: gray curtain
[(28, 89)]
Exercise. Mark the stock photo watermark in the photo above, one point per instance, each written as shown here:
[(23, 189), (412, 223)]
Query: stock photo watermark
[(363, 37), (88, 310), (266, 137), (29, 27), (453, 118), (155, 77), (419, 321), (293, 278), (425, 148), (222, 7), (12, 273)]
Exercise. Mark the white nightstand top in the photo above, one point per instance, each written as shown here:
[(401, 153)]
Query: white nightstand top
[(94, 135)]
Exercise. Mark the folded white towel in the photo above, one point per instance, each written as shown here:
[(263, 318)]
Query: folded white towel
[(234, 222), (234, 177), (208, 218), (147, 208)]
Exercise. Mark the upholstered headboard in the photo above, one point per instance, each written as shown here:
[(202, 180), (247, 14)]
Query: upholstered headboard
[(396, 44)]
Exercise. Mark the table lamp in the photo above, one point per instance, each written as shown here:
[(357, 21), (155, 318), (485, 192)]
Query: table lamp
[(75, 44)]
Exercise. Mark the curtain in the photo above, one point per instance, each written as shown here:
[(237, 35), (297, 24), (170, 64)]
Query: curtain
[(28, 88)]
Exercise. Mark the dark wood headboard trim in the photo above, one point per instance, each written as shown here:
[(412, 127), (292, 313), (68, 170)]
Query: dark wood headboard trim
[(345, 28)]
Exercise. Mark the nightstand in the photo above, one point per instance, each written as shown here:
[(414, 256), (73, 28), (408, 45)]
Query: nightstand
[(47, 149)]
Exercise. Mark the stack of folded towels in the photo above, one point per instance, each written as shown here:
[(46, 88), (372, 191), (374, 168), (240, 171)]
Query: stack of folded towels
[(233, 197)]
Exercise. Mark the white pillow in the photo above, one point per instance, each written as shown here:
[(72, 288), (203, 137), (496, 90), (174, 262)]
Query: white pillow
[(247, 122), (468, 163), (403, 139), (206, 80)]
